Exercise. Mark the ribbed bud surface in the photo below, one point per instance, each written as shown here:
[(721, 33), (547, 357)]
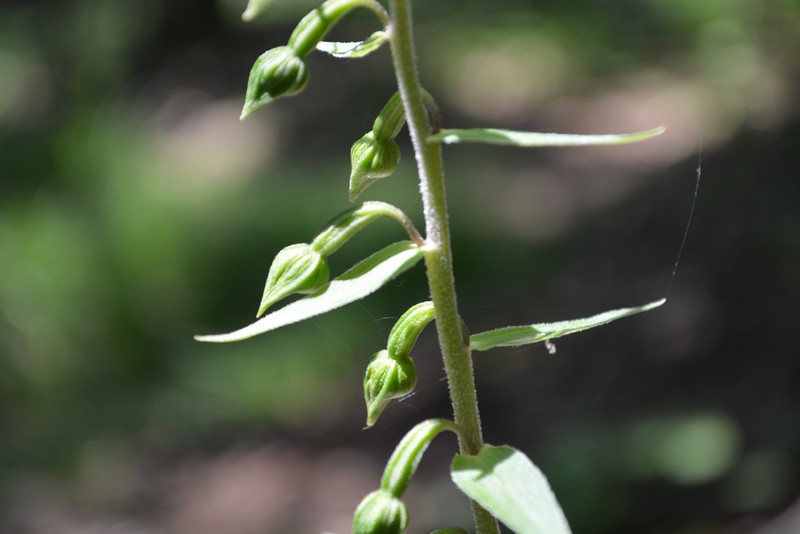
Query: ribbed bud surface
[(371, 159), (387, 378), (277, 72), (296, 269), (380, 513)]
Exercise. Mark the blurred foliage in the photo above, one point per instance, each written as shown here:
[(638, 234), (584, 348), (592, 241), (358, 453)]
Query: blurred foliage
[(136, 211)]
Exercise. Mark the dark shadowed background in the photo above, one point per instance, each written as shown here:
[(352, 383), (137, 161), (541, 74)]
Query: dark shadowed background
[(136, 211)]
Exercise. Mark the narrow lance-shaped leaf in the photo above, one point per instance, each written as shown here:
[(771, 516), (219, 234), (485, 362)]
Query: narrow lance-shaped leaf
[(254, 9), (358, 282), (507, 484), (495, 136), (514, 336), (353, 50)]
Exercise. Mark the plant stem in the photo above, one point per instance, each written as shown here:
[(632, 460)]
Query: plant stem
[(453, 340)]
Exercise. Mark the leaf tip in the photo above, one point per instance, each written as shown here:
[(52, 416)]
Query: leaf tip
[(254, 8)]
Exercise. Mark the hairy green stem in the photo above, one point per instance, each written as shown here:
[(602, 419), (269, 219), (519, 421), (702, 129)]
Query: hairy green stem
[(453, 339)]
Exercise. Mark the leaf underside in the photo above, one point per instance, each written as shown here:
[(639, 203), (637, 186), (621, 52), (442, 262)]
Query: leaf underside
[(514, 336), (510, 487), (356, 49), (361, 280), (495, 136)]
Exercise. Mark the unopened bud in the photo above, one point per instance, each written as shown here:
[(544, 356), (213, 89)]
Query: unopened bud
[(277, 72), (387, 378), (295, 269), (380, 513), (371, 159)]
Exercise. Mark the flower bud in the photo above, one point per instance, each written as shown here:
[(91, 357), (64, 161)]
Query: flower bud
[(380, 513), (387, 377), (371, 159), (295, 269), (277, 72)]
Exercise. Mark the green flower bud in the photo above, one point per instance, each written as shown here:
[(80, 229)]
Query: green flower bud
[(380, 513), (387, 377), (295, 269), (371, 159), (277, 72)]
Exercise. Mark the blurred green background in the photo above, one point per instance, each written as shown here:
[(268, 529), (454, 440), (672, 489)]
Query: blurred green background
[(136, 211)]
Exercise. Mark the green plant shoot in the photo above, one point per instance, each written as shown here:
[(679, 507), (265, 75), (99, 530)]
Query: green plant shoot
[(501, 482)]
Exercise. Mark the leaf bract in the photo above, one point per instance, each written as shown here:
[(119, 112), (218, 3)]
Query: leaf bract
[(514, 336), (510, 487), (356, 49), (494, 136)]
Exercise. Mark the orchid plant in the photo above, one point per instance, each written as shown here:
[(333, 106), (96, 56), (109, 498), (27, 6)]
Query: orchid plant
[(501, 482)]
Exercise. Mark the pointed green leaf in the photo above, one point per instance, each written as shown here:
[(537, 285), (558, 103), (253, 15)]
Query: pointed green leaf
[(514, 336), (254, 9), (358, 282), (494, 136), (507, 484), (355, 49)]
